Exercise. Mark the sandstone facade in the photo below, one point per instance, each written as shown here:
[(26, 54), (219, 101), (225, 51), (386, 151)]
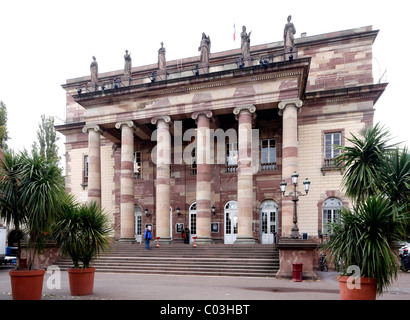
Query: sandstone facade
[(280, 113)]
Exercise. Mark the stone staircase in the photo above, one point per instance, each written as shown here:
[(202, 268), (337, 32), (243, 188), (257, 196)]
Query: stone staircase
[(183, 259)]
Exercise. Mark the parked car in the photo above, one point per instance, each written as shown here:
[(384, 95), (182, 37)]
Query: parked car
[(404, 249)]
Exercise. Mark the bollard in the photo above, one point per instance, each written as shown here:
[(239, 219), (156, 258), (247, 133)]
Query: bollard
[(157, 245), (297, 272), (194, 241)]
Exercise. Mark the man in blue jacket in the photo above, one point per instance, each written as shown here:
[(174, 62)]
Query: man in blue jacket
[(147, 237)]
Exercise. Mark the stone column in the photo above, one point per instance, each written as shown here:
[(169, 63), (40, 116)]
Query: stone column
[(127, 181), (163, 161), (244, 115), (289, 109), (94, 163), (203, 178)]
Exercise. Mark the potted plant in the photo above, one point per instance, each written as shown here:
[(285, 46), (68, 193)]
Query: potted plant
[(83, 232), (364, 240), (31, 189)]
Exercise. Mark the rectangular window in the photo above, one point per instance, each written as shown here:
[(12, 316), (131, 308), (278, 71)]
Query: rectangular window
[(231, 165), (268, 154), (137, 165), (331, 141), (329, 216), (193, 161), (193, 223), (85, 170)]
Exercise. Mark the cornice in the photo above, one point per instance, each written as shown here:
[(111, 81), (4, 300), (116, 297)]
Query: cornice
[(278, 70)]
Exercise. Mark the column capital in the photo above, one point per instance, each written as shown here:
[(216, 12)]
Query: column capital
[(94, 127), (284, 103), (156, 120), (249, 108), (206, 113), (129, 123)]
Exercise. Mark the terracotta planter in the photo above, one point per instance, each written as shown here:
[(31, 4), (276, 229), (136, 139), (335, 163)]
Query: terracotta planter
[(27, 284), (367, 289), (81, 281)]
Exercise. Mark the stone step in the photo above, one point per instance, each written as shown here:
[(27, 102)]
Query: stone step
[(215, 260)]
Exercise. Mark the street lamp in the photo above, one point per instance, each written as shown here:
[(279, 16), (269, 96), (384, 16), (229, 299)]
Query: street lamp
[(295, 198)]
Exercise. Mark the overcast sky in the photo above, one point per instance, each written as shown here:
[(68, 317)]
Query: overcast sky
[(43, 43)]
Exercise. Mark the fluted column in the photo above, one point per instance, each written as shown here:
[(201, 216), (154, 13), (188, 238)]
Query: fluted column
[(203, 178), (127, 231), (163, 160), (289, 110), (94, 163), (244, 115)]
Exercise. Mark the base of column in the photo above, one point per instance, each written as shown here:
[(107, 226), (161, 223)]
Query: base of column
[(293, 251), (204, 240), (127, 240), (245, 240), (162, 240)]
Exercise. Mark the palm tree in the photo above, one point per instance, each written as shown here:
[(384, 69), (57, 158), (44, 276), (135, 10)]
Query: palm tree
[(11, 208), (42, 191), (393, 180), (82, 231), (362, 161), (31, 191), (364, 237)]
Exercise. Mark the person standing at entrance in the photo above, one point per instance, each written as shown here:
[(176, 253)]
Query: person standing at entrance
[(147, 237)]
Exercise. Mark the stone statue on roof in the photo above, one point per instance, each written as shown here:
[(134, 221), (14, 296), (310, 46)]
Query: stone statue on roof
[(288, 35), (94, 71), (246, 43), (205, 48), (127, 63), (162, 64)]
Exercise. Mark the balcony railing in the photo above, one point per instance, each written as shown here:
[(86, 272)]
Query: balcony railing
[(268, 166), (231, 168)]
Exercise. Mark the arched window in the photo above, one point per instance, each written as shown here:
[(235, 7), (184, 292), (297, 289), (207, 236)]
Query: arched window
[(330, 213)]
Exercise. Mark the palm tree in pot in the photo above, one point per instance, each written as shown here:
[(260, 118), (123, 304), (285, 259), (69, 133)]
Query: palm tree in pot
[(83, 233), (366, 235), (31, 192), (364, 240)]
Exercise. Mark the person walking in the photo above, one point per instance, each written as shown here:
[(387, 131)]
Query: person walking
[(147, 237)]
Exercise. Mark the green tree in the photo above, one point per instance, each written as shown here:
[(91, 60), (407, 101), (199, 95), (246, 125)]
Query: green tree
[(4, 135), (362, 161), (31, 195), (47, 140)]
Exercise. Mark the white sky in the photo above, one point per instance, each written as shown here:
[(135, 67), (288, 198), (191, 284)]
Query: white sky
[(43, 43)]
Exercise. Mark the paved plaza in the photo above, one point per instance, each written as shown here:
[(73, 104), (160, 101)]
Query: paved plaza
[(110, 286)]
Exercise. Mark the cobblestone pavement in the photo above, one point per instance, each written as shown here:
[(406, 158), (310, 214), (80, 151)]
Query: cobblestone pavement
[(110, 286)]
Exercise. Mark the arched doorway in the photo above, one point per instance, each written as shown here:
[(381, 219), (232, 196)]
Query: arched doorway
[(138, 223), (192, 222), (231, 222), (268, 221)]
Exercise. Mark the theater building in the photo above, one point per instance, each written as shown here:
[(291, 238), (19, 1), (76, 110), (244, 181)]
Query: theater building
[(204, 142)]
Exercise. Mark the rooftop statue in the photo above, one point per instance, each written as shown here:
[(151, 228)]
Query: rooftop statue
[(246, 43), (127, 63), (162, 64), (288, 35), (205, 48), (94, 71)]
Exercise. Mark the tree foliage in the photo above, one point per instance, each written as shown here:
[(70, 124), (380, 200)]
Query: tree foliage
[(47, 137), (377, 180), (4, 135)]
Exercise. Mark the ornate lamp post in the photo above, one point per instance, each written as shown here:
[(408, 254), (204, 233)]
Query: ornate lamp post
[(295, 198)]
